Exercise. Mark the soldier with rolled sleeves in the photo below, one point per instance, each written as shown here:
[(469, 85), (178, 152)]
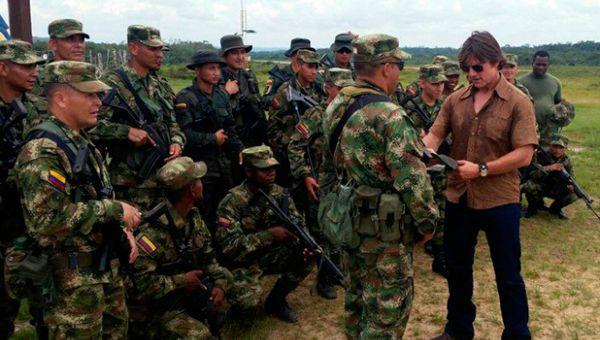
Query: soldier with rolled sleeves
[(254, 241), (177, 263), (71, 215), (203, 112)]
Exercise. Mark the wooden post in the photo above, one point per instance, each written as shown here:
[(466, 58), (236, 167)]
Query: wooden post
[(19, 14)]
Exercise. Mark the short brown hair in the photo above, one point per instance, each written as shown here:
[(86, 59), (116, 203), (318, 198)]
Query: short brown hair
[(483, 46), (366, 69)]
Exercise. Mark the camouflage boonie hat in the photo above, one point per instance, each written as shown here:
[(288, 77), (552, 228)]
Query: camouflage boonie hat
[(259, 157), (511, 59), (147, 35), (432, 73), (451, 68), (562, 113), (79, 75), (179, 172), (374, 48), (309, 57), (559, 140), (19, 52), (64, 28), (439, 59), (340, 77)]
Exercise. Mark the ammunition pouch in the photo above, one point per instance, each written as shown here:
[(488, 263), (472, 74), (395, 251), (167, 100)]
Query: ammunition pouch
[(378, 214)]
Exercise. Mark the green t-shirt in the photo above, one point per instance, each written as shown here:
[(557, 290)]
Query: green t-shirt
[(546, 91)]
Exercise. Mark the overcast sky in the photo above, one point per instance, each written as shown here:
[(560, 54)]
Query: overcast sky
[(415, 23)]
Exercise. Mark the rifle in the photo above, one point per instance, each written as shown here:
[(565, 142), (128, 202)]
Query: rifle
[(326, 61), (566, 178), (309, 242), (427, 123), (11, 141), (160, 151), (294, 97)]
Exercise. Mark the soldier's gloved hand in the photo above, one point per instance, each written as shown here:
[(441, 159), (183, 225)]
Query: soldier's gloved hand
[(217, 295), (280, 234), (221, 137), (192, 280), (134, 251), (139, 137), (131, 216), (232, 87), (312, 187)]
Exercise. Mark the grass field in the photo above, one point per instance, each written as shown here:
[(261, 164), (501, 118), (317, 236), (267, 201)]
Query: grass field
[(560, 260)]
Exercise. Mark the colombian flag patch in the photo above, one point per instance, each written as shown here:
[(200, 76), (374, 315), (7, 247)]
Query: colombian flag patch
[(147, 244), (303, 129), (57, 179), (224, 222), (181, 106)]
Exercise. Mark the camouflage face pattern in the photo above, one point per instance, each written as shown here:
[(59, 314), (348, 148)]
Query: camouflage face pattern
[(19, 52), (309, 57), (147, 35), (259, 157), (451, 68), (79, 75), (375, 48), (432, 73), (180, 172), (511, 59), (64, 28), (340, 77), (439, 59)]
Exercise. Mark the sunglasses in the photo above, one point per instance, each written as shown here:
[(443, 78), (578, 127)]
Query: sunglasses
[(477, 68), (344, 51)]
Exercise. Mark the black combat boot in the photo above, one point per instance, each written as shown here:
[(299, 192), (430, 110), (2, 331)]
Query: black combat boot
[(439, 260), (324, 287), (556, 210), (276, 303)]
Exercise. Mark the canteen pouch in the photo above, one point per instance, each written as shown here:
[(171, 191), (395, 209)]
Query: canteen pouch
[(335, 215), (390, 212), (366, 203)]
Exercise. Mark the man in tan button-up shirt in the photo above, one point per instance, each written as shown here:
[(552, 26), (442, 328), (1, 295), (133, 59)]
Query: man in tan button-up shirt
[(494, 133)]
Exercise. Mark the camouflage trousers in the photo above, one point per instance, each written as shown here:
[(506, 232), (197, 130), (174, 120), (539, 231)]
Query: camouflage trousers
[(94, 311), (439, 182), (286, 260), (176, 324), (380, 290), (9, 309), (535, 191)]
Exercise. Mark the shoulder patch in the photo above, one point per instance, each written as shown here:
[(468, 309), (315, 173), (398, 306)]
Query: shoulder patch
[(181, 106), (303, 129), (224, 222), (57, 179), (146, 244)]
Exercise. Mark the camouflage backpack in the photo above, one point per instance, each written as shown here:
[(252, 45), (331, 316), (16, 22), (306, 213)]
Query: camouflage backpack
[(563, 113)]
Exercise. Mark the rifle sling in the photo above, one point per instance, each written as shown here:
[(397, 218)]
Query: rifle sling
[(138, 100)]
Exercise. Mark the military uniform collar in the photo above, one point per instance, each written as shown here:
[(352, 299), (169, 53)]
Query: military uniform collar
[(367, 84), (134, 77), (69, 132), (179, 221)]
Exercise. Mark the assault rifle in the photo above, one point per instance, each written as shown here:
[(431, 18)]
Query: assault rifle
[(323, 260), (427, 122)]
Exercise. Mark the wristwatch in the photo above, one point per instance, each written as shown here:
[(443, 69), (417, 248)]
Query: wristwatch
[(483, 170)]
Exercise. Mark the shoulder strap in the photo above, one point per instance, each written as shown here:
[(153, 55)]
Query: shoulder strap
[(359, 103), (50, 131), (138, 100), (207, 106)]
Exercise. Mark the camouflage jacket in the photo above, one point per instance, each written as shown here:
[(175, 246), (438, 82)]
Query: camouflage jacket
[(282, 121), (309, 133), (431, 111), (199, 126), (523, 89), (543, 174), (277, 76), (243, 220), (379, 147), (112, 130), (54, 217), (158, 243)]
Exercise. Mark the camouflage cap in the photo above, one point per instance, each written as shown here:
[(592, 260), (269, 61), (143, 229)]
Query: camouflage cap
[(511, 59), (309, 57), (375, 48), (79, 75), (340, 77), (259, 157), (147, 35), (432, 73), (179, 172), (563, 113), (559, 140), (451, 68), (64, 28), (439, 59), (19, 52)]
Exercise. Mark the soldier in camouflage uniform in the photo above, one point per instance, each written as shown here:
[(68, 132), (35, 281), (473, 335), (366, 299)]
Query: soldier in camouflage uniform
[(254, 241), (342, 53), (175, 255), (431, 82), (242, 86), (452, 73), (306, 168), (70, 215), (127, 144), (546, 180), (379, 149), (285, 119), (278, 76), (18, 72), (510, 69), (204, 114)]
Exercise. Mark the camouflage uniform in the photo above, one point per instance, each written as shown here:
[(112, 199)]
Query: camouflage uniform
[(247, 245), (68, 220), (158, 303), (12, 123), (513, 59), (342, 41), (112, 130), (379, 149), (285, 119), (451, 68)]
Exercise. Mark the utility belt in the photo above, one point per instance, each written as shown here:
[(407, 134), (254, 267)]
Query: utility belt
[(378, 213)]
